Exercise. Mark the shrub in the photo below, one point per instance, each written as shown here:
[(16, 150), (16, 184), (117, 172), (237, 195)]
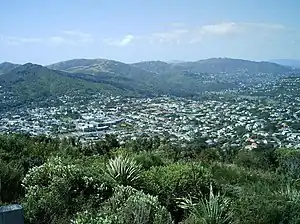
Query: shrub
[(235, 175), (54, 190), (214, 210), (289, 162), (87, 217), (144, 143), (256, 208), (247, 159), (101, 147), (149, 159), (123, 170), (211, 154), (174, 181), (262, 159), (11, 176), (291, 197), (264, 204), (127, 206)]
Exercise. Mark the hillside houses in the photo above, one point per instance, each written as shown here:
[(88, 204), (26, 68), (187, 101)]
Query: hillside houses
[(226, 119)]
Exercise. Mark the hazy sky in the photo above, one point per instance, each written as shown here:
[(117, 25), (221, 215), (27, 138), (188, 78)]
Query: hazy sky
[(47, 31)]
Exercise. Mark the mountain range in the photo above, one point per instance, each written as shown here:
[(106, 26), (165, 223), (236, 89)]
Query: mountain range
[(148, 78), (213, 65)]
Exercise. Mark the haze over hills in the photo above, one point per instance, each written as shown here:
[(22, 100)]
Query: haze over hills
[(182, 78), (89, 65), (214, 65), (287, 62), (149, 78), (96, 66), (232, 65)]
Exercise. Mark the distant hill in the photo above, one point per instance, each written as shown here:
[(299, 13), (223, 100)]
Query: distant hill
[(113, 72), (229, 65), (7, 66), (34, 82), (95, 66), (288, 62), (86, 65), (180, 79), (214, 65)]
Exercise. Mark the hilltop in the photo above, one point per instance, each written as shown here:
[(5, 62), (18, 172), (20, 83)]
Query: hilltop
[(7, 66), (155, 66)]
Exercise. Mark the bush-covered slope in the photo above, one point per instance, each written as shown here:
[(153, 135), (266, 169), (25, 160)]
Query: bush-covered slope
[(148, 180)]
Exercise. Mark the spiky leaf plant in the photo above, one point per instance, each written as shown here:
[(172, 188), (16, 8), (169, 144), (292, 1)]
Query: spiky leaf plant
[(123, 170), (214, 210)]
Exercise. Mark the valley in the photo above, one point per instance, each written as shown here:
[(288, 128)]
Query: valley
[(227, 106)]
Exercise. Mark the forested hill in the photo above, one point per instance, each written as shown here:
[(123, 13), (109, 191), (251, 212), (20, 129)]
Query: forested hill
[(32, 82), (6, 67)]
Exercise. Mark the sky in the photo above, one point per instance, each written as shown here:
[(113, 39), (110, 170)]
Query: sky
[(48, 31)]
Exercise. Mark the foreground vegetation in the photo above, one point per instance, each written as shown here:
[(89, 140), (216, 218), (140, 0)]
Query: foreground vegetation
[(148, 180)]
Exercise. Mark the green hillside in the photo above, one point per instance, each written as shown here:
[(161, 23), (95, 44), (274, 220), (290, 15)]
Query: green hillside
[(115, 73), (155, 66), (35, 82), (7, 66), (96, 66)]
